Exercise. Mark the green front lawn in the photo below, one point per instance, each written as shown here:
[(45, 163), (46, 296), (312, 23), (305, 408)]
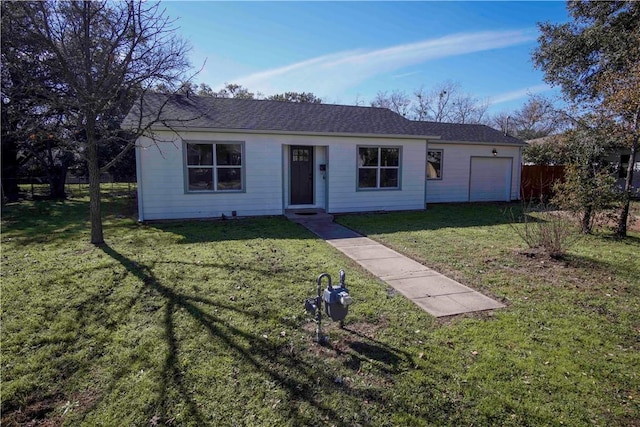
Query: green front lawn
[(202, 323)]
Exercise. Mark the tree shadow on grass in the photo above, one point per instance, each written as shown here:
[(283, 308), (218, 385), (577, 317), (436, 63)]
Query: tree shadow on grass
[(43, 221), (298, 378), (370, 349), (200, 231), (628, 271)]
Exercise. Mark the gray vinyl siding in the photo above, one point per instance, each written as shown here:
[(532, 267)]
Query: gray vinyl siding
[(456, 170), (161, 175), (163, 180), (344, 195)]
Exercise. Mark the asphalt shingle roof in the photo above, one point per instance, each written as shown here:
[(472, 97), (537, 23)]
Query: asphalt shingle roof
[(464, 132), (205, 112)]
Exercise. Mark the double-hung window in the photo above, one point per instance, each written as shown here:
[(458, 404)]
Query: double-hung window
[(216, 166), (378, 168), (434, 164)]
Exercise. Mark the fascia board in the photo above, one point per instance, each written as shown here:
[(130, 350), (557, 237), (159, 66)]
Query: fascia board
[(505, 144), (283, 132)]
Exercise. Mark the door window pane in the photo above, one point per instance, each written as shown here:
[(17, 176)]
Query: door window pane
[(300, 155)]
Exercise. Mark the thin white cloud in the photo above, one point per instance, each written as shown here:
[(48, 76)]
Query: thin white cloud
[(403, 75), (519, 94), (329, 75)]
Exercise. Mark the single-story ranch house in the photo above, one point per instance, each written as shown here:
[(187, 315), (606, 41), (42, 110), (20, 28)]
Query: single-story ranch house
[(210, 157)]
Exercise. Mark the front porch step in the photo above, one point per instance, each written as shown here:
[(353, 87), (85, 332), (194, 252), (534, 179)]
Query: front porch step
[(307, 215)]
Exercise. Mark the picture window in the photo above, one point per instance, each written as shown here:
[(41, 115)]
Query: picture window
[(214, 166), (378, 167)]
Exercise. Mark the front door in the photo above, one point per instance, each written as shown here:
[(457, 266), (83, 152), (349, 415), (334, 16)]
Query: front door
[(301, 177)]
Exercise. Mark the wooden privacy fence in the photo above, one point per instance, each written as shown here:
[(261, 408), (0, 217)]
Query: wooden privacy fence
[(536, 181)]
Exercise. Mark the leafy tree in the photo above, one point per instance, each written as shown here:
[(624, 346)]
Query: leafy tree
[(102, 54), (550, 150), (586, 190), (32, 125), (233, 90), (621, 106), (54, 156), (588, 187), (205, 90), (300, 97), (594, 59)]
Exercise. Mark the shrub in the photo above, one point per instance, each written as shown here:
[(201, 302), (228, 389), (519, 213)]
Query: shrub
[(587, 190), (543, 228)]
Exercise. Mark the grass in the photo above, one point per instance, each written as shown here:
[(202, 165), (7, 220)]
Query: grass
[(202, 323)]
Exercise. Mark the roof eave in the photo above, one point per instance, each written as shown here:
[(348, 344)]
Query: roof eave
[(510, 144), (287, 132)]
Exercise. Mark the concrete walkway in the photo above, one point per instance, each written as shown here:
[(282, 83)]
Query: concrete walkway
[(430, 290)]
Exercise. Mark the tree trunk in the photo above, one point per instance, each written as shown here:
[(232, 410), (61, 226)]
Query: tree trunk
[(57, 174), (57, 178), (621, 230), (586, 219), (95, 211), (9, 169)]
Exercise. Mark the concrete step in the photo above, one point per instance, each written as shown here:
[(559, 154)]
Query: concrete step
[(308, 215)]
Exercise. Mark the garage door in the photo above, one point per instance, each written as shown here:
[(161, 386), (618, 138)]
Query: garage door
[(490, 179)]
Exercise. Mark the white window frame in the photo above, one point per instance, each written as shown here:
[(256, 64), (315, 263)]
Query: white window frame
[(214, 167), (378, 168)]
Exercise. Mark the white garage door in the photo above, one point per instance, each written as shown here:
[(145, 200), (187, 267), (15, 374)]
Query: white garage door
[(490, 179)]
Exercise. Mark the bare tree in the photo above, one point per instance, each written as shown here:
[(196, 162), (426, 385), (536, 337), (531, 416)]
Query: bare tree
[(397, 101), (446, 103), (421, 104), (443, 103), (358, 101), (503, 122), (468, 109), (537, 118), (439, 100), (104, 52)]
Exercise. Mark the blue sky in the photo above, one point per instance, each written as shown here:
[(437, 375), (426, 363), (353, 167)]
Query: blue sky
[(348, 51)]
